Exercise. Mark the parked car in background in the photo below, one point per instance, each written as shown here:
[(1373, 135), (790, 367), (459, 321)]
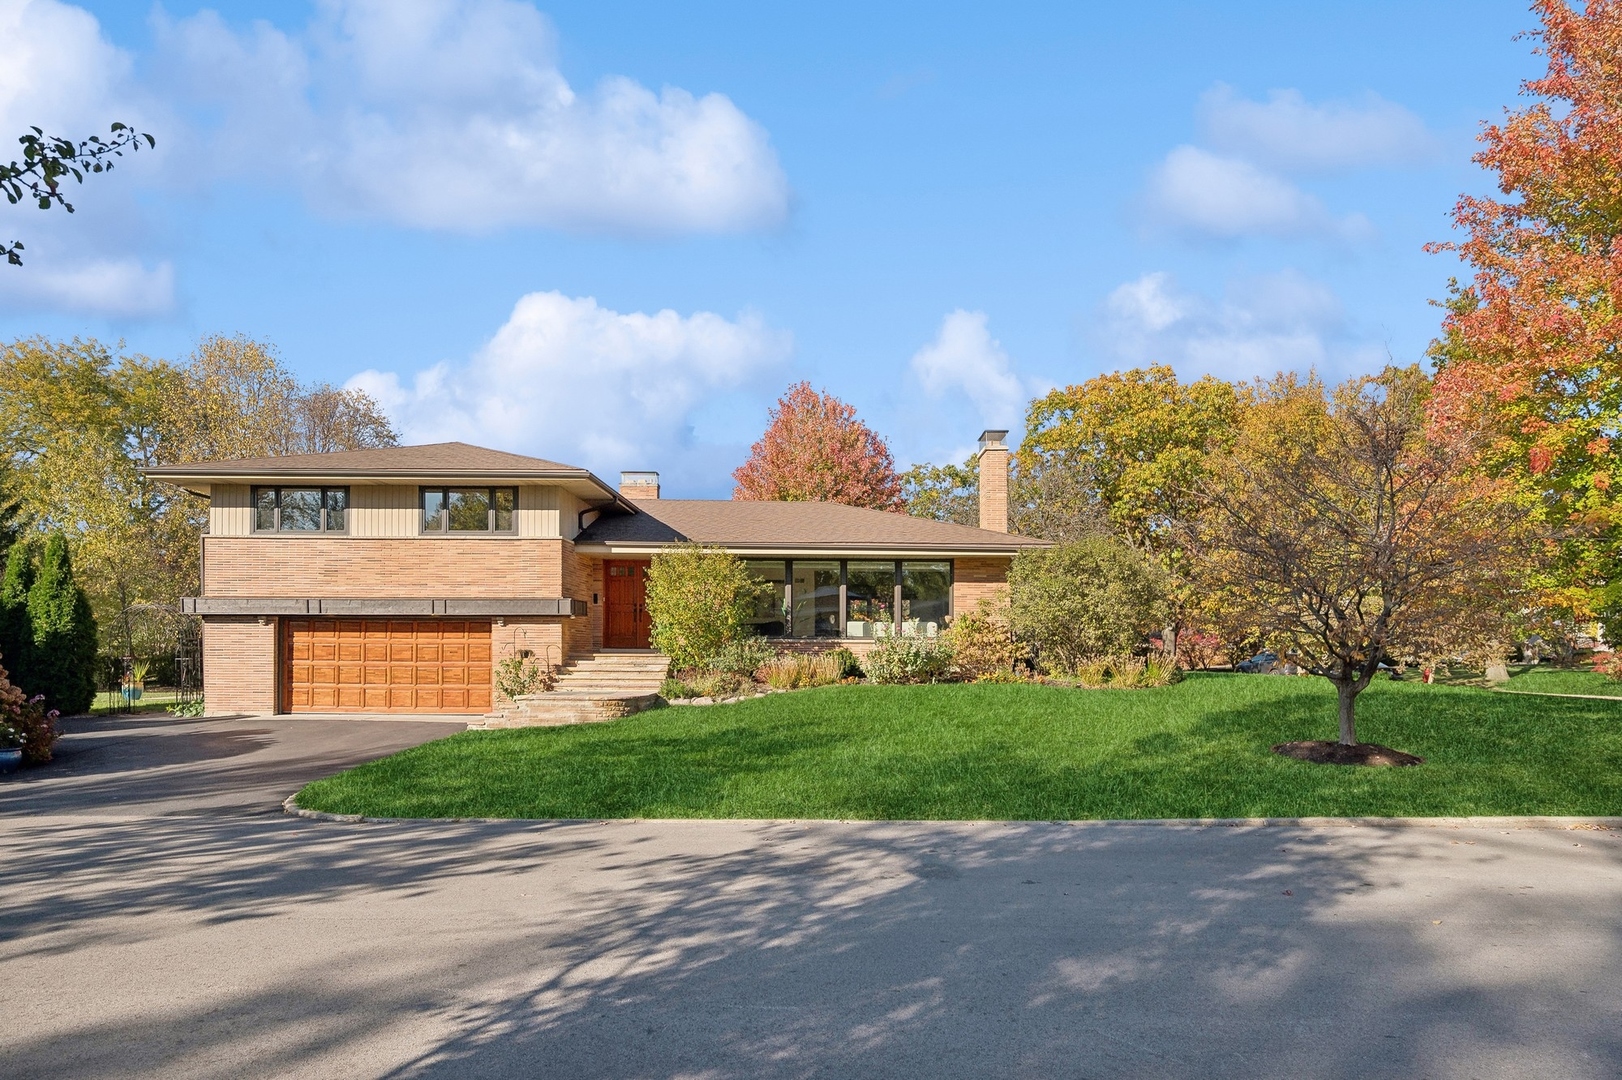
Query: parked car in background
[(1263, 663)]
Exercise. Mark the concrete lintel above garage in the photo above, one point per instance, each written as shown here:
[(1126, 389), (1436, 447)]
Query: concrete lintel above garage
[(274, 605)]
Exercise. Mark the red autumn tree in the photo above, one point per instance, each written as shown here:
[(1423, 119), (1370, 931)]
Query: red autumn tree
[(814, 448), (1531, 352)]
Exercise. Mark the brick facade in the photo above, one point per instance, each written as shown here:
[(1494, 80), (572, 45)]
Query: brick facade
[(341, 566), (240, 662), (975, 579)]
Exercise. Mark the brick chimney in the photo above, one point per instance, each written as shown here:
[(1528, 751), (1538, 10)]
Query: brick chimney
[(994, 480), (639, 485)]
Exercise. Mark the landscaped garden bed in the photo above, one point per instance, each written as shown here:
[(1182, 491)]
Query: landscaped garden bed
[(1199, 748)]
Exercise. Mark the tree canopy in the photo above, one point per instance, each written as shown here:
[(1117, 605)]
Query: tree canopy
[(815, 448)]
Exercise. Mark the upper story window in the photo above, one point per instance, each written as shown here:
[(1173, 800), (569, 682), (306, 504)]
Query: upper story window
[(300, 509), (468, 510)]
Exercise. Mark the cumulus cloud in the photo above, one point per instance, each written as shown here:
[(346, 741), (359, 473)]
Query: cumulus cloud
[(1262, 325), (1200, 193), (62, 75), (970, 378), (1288, 132), (569, 379), (452, 114)]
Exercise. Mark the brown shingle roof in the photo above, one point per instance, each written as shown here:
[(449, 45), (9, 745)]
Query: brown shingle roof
[(777, 525), (447, 457)]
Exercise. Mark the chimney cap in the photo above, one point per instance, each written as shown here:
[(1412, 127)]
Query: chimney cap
[(991, 439), (639, 479)]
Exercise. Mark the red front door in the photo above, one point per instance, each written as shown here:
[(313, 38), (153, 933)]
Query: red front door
[(625, 604)]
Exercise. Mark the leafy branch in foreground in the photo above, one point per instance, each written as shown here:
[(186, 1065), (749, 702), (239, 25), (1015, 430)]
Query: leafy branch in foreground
[(48, 159)]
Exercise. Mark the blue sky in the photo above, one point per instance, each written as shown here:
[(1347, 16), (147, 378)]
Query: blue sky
[(612, 234)]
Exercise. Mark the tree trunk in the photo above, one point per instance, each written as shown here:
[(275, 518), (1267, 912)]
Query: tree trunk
[(1347, 692)]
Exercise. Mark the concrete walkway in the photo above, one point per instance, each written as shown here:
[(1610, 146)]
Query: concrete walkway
[(150, 940)]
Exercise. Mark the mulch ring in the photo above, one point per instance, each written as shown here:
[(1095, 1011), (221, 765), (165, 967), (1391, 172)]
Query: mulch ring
[(1324, 752)]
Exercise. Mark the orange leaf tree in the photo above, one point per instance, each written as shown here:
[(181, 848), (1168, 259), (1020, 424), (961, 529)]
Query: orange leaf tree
[(814, 449), (1529, 355)]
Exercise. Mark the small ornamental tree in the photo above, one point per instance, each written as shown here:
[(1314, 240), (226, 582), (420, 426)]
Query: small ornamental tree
[(815, 449), (64, 633), (1349, 537), (699, 599), (1092, 597), (16, 631)]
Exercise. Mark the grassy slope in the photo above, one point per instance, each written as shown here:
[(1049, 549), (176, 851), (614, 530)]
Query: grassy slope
[(1197, 749)]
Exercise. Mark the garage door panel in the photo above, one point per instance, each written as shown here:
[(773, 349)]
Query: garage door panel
[(386, 665)]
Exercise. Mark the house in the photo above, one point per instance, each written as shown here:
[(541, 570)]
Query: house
[(393, 580)]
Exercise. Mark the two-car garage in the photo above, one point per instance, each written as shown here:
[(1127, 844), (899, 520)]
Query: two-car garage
[(386, 665)]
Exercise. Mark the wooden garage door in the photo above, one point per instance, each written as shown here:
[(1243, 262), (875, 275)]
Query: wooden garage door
[(386, 665)]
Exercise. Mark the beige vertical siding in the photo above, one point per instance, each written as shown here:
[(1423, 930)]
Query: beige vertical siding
[(383, 510), (538, 512), (230, 510)]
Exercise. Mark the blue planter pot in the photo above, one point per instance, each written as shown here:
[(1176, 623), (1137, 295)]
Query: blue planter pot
[(132, 693), (11, 760)]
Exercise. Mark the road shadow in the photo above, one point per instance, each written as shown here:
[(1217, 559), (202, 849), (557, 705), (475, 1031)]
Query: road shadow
[(721, 950)]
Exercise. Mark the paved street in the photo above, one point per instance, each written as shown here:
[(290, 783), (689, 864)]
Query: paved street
[(143, 936)]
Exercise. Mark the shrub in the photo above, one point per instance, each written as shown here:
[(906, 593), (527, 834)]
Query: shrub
[(909, 660), (64, 633), (743, 657), (672, 689), (982, 641), (27, 722), (849, 666), (1124, 672), (698, 599), (188, 710), (1609, 665), (16, 632), (793, 671), (713, 684), (1092, 597), (518, 675)]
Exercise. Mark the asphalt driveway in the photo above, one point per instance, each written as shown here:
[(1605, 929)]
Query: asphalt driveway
[(156, 764), (147, 936)]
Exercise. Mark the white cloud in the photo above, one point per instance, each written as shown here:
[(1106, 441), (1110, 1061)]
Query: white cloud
[(568, 379), (452, 114), (1288, 132), (964, 357), (63, 76), (1262, 325), (1197, 192), (113, 288)]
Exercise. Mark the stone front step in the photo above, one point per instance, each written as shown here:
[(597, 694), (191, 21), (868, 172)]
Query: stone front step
[(560, 707)]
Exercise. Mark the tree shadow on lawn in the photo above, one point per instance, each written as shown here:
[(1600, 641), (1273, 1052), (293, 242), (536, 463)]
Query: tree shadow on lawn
[(775, 950)]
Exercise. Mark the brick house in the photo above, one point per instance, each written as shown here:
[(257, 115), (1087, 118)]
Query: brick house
[(392, 580)]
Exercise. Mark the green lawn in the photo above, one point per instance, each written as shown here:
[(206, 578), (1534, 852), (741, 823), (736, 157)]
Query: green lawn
[(1197, 749), (1546, 680)]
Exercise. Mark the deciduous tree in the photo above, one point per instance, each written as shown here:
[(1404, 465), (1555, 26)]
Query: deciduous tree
[(1349, 536), (815, 448), (943, 492), (1531, 350)]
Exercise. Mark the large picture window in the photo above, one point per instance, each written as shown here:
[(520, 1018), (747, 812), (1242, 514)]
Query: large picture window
[(451, 510), (855, 598), (300, 509)]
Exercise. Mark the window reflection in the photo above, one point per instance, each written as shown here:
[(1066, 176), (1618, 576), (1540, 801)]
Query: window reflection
[(816, 599), (926, 597), (870, 598), (769, 616)]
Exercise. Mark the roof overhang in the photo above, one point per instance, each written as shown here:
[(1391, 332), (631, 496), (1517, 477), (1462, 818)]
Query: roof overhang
[(200, 479), (813, 551)]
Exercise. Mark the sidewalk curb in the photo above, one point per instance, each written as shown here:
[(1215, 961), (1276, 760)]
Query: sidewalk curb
[(291, 806)]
